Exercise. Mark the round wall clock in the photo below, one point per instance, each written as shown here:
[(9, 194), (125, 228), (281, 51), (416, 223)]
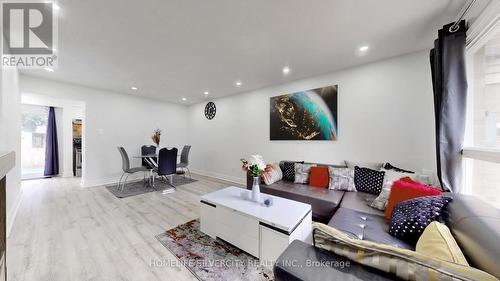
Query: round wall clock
[(210, 110)]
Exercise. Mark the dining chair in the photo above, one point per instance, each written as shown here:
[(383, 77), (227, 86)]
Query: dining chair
[(148, 150), (167, 164), (127, 171), (184, 162)]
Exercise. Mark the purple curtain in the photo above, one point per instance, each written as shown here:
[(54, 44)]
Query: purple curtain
[(449, 79), (51, 150)]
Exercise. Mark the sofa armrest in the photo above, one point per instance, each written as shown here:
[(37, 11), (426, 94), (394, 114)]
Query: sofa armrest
[(301, 261)]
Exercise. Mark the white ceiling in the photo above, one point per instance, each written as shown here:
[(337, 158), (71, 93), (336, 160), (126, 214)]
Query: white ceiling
[(171, 49)]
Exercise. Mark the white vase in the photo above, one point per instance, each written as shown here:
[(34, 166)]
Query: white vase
[(256, 189)]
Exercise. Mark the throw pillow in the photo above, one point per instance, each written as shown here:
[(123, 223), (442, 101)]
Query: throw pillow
[(289, 171), (403, 263), (391, 176), (368, 180), (302, 172), (273, 176), (404, 190), (437, 241), (381, 201), (372, 165), (319, 177), (411, 217), (388, 166), (341, 179)]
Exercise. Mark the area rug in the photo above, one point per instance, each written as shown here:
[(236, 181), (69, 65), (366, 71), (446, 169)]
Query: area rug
[(211, 259), (134, 188)]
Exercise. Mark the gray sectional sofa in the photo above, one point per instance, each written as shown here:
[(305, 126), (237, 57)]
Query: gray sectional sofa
[(474, 224)]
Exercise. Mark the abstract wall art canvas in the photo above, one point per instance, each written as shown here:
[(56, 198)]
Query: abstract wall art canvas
[(306, 115)]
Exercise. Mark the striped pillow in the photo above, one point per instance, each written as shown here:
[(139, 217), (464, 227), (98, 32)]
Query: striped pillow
[(405, 264)]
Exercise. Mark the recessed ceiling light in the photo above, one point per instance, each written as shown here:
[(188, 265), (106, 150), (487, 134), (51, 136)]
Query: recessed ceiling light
[(56, 7), (133, 88), (184, 99), (205, 93), (238, 83), (49, 69), (363, 48), (286, 70)]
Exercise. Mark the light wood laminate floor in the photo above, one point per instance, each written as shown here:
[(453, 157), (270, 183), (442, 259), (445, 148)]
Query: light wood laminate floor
[(65, 232)]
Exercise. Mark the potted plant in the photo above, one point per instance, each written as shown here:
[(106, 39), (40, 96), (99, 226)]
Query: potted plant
[(255, 166)]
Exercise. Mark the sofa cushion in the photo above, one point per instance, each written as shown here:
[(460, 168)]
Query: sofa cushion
[(366, 227), (476, 227), (319, 177), (323, 201), (359, 201), (302, 172), (404, 190), (368, 180), (288, 170), (301, 261), (411, 217), (437, 241), (341, 179)]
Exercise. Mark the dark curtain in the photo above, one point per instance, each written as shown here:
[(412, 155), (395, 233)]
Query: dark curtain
[(51, 149), (449, 81)]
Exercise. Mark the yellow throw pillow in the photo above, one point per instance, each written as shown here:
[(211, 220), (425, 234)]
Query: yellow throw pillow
[(436, 241)]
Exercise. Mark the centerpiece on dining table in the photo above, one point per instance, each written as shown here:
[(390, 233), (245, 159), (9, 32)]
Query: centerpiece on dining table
[(255, 166), (156, 137)]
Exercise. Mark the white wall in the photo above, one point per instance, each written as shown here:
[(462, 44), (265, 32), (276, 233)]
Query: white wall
[(385, 113), (113, 120), (66, 110), (10, 137)]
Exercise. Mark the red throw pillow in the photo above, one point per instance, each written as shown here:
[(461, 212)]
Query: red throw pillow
[(403, 190), (318, 177)]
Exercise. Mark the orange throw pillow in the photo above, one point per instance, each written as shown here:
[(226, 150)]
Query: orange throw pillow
[(406, 189), (319, 177)]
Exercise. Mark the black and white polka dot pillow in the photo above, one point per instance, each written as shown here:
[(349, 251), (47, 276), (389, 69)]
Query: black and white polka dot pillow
[(411, 217), (289, 171), (368, 180)]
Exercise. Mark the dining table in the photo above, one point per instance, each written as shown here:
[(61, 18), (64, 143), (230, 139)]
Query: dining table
[(151, 160)]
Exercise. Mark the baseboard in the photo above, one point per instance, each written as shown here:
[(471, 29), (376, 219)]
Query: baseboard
[(107, 181), (220, 176), (11, 216)]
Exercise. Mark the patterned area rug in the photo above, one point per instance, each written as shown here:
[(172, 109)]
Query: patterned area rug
[(209, 259), (133, 188)]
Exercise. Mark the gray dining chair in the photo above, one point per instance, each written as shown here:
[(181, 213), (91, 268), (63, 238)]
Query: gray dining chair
[(184, 163), (127, 171)]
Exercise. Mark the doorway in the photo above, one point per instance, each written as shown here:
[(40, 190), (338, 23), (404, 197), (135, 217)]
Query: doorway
[(33, 140)]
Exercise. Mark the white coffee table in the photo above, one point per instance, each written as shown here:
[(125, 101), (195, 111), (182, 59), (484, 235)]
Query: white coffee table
[(261, 231)]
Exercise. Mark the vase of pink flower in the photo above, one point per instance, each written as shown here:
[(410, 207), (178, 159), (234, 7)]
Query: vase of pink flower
[(255, 166)]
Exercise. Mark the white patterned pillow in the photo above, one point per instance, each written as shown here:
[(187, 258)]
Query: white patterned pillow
[(390, 176), (381, 201), (302, 172), (273, 176), (341, 179)]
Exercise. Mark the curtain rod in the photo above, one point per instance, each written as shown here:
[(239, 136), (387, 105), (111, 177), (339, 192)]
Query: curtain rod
[(463, 12)]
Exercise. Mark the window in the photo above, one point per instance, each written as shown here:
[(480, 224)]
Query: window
[(482, 143)]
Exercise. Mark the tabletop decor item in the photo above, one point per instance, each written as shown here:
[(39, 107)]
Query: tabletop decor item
[(255, 165), (156, 137)]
